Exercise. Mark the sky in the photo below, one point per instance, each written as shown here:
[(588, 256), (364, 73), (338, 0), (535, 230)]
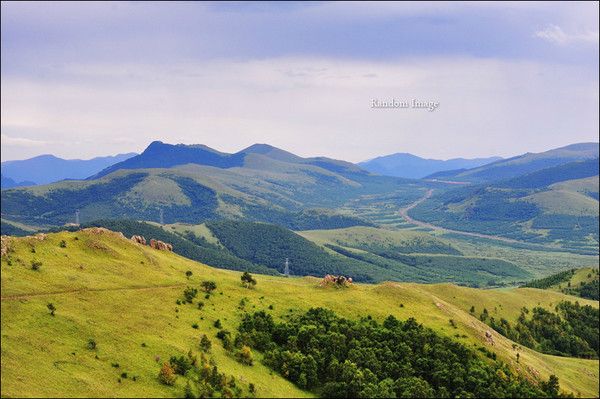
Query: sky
[(81, 80)]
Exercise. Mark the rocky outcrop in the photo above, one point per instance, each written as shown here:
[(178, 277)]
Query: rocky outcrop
[(138, 239), (337, 281), (4, 245), (161, 246)]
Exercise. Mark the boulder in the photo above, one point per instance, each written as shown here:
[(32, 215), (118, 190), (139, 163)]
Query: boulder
[(161, 246), (138, 239)]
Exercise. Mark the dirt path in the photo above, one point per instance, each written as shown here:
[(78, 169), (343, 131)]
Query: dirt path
[(82, 290), (404, 214)]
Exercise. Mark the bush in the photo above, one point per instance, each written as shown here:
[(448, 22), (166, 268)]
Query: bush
[(189, 294), (195, 326), (244, 355), (208, 286), (35, 265), (188, 274), (248, 280), (62, 244), (205, 344), (167, 375), (200, 305), (51, 308), (91, 344), (217, 323)]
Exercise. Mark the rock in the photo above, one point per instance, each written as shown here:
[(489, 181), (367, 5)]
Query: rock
[(338, 281), (161, 246), (489, 337), (4, 245), (138, 239)]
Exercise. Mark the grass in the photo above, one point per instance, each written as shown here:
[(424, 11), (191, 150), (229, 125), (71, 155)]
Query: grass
[(122, 295)]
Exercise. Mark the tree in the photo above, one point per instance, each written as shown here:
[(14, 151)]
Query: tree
[(189, 294), (188, 274), (208, 286), (167, 374), (51, 308), (248, 280)]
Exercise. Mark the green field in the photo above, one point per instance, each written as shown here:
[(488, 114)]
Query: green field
[(122, 294)]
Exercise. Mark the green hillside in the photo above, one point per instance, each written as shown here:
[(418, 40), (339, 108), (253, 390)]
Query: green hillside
[(122, 297), (579, 282), (564, 213)]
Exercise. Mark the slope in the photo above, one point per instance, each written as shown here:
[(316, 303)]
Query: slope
[(123, 295), (522, 164)]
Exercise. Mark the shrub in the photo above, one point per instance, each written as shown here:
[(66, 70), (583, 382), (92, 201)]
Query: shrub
[(244, 355), (167, 374), (188, 274), (200, 305), (248, 280), (124, 375), (217, 323), (208, 286), (62, 244), (51, 308), (115, 365), (195, 326), (91, 344), (35, 265), (205, 344), (189, 294)]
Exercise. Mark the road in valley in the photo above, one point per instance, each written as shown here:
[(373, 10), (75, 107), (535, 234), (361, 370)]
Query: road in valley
[(409, 219)]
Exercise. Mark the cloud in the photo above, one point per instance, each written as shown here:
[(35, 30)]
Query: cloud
[(20, 141), (555, 34), (308, 105)]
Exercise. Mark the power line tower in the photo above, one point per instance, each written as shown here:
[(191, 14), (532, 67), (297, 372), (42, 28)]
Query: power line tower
[(286, 270), (77, 216), (161, 217)]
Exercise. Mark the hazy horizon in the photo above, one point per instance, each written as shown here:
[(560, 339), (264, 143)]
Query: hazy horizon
[(81, 80)]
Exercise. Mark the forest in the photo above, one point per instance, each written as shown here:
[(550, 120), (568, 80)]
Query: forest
[(337, 357)]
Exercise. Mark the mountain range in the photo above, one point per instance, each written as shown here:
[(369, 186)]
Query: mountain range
[(411, 166), (46, 169)]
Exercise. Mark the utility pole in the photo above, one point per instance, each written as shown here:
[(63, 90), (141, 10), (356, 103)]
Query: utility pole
[(77, 216), (286, 271)]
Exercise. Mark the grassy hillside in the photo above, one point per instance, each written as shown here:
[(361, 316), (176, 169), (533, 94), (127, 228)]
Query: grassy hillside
[(123, 295), (186, 195), (563, 213)]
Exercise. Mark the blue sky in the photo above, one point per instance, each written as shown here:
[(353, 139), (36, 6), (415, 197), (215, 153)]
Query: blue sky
[(87, 79)]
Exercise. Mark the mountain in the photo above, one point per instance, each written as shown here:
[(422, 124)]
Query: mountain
[(522, 164), (412, 166), (193, 184), (46, 169), (105, 322), (7, 182), (162, 155)]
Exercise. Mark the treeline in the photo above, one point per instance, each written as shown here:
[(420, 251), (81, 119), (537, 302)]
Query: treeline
[(340, 358), (571, 331), (555, 279), (192, 247)]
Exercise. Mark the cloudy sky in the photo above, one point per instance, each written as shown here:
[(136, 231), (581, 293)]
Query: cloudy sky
[(83, 80)]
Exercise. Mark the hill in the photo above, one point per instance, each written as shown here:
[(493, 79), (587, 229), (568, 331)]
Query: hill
[(414, 167), (557, 205), (46, 169), (119, 315), (580, 282), (522, 164)]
